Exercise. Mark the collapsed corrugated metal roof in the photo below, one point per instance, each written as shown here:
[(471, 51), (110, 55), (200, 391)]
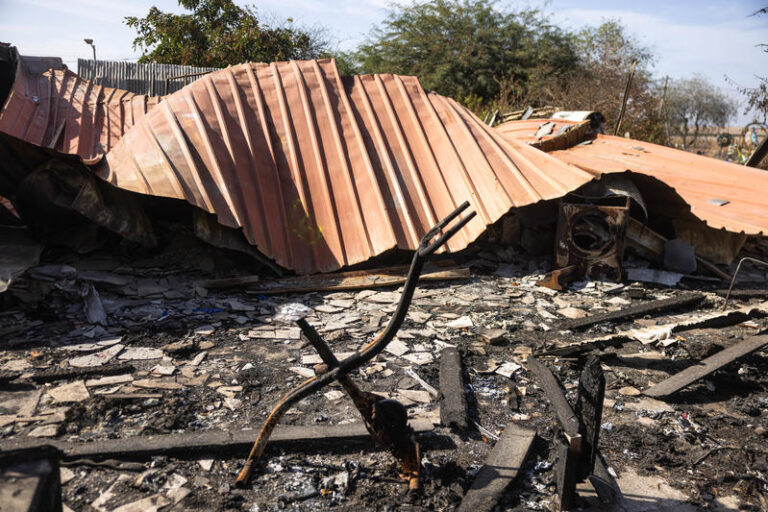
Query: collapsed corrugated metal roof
[(322, 171), (57, 109), (722, 194)]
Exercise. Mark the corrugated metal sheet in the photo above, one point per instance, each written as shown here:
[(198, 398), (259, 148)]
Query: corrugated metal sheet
[(700, 181), (323, 172), (58, 109), (138, 78)]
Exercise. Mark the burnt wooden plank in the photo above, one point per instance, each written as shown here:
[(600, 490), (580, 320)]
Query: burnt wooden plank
[(453, 406), (709, 365), (567, 469), (653, 307), (589, 410), (500, 469), (55, 374), (546, 381), (606, 487), (214, 442)]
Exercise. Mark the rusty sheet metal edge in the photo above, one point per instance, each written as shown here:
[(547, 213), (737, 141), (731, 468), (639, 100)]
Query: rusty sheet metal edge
[(696, 179), (322, 172), (59, 110)]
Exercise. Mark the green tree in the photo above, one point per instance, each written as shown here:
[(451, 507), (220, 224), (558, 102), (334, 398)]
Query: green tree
[(694, 103), (218, 33), (468, 49), (605, 56)]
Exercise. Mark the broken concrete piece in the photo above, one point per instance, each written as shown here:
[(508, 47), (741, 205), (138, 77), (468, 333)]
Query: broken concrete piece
[(141, 354), (508, 369), (333, 395), (206, 464), (150, 504), (571, 312), (110, 380), (164, 370), (303, 372), (493, 336), (198, 358), (71, 392), (97, 359), (629, 391), (416, 395), (157, 384), (419, 358), (45, 431), (397, 347), (463, 322)]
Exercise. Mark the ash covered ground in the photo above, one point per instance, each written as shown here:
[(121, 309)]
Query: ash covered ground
[(220, 361)]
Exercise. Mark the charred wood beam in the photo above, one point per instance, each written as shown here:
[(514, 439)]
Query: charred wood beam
[(55, 374), (500, 469), (213, 442), (453, 406), (567, 469), (709, 365), (589, 409), (744, 294), (605, 486), (654, 307)]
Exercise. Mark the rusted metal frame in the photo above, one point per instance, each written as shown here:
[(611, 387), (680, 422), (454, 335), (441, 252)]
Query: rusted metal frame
[(736, 273), (360, 399), (385, 420), (589, 262), (426, 248)]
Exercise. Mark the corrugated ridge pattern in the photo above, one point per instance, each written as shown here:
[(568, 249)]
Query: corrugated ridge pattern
[(323, 172), (60, 110), (696, 179)]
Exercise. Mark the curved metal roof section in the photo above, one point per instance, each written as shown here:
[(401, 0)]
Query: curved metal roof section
[(322, 171), (59, 110), (700, 181)]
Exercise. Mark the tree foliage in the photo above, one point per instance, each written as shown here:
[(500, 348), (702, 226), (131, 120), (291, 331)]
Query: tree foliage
[(467, 49), (218, 33), (695, 103), (757, 97), (605, 56)]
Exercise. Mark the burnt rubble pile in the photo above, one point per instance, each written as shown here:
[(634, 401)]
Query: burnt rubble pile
[(588, 333)]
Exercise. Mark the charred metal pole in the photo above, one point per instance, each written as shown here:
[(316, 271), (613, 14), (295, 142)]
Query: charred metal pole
[(736, 273), (426, 248)]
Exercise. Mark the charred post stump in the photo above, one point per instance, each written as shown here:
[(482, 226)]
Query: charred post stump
[(589, 410)]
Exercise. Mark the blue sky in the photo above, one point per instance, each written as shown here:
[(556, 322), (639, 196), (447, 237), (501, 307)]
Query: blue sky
[(709, 37)]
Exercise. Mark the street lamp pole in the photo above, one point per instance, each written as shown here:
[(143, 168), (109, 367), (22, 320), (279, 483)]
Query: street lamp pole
[(93, 46)]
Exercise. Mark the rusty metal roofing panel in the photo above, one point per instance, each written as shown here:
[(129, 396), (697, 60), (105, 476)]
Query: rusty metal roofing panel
[(323, 172), (700, 181), (58, 109)]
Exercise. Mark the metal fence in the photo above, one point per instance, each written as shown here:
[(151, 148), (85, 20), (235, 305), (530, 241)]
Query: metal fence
[(153, 79)]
